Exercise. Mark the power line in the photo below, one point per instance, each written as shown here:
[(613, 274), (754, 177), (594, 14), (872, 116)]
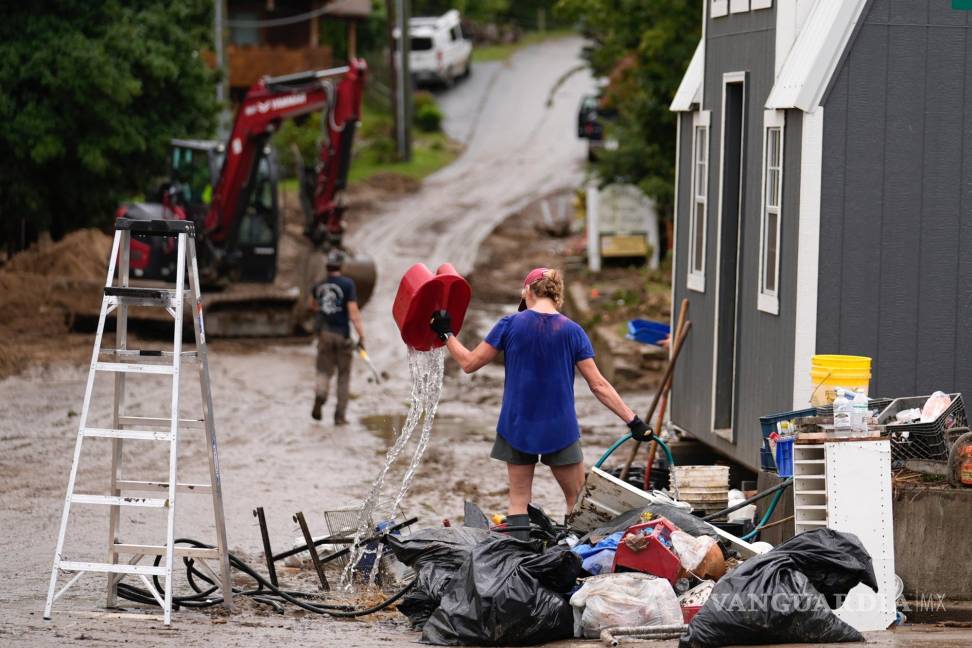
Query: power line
[(278, 22)]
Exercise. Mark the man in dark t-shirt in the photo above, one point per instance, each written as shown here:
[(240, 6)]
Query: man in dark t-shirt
[(335, 302)]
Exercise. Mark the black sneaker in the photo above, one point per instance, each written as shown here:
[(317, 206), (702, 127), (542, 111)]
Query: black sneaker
[(316, 411)]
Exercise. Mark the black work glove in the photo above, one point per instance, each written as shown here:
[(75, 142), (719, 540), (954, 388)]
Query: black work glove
[(640, 430), (442, 324)]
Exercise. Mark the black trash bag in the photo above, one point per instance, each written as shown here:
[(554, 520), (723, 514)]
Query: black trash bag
[(473, 516), (435, 555), (786, 595), (506, 594), (834, 562)]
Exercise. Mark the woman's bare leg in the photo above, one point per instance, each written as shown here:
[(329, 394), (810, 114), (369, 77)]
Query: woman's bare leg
[(521, 487), (571, 480)]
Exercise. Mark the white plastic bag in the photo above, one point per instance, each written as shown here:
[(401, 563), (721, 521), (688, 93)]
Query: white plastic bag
[(624, 599), (691, 551), (934, 406)]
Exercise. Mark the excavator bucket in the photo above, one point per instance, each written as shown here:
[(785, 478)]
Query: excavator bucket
[(361, 269)]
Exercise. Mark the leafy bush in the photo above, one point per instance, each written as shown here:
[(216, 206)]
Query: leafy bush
[(382, 150), (429, 119)]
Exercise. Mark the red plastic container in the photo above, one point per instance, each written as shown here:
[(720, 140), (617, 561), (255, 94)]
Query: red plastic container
[(420, 294), (655, 558)]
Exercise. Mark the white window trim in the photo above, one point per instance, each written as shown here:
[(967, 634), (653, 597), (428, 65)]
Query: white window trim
[(760, 4), (738, 6), (768, 301), (695, 280), (719, 8)]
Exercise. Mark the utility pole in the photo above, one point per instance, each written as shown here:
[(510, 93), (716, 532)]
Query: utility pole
[(221, 84), (403, 83)]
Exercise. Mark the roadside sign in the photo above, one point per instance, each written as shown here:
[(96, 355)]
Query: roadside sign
[(962, 5), (627, 224)]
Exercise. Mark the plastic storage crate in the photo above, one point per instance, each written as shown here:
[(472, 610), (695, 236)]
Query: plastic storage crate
[(768, 423), (921, 440)]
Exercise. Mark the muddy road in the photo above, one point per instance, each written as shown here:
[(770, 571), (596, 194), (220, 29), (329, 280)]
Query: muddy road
[(516, 122)]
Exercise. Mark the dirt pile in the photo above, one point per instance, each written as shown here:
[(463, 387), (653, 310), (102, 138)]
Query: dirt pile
[(82, 254), (41, 291)]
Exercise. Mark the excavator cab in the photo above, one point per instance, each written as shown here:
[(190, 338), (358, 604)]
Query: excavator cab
[(195, 170)]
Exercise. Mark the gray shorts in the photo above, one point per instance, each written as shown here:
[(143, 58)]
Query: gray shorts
[(503, 451)]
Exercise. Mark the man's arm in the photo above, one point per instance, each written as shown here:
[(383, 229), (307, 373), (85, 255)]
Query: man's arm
[(470, 361), (603, 390), (354, 313)]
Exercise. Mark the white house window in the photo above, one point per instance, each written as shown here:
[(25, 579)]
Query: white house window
[(721, 8), (769, 249), (697, 218)]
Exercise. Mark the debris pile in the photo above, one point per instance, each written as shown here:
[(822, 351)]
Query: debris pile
[(480, 586)]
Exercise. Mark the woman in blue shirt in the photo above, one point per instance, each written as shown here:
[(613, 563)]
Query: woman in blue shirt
[(541, 349)]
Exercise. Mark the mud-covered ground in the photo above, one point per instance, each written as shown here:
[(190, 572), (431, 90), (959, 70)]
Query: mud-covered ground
[(519, 146)]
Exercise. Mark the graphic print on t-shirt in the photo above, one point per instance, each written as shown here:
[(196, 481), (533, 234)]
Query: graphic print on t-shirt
[(331, 298)]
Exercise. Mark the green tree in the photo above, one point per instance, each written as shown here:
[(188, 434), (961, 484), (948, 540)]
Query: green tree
[(92, 92), (644, 48)]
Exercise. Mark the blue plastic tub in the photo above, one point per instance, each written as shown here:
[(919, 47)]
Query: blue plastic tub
[(768, 423), (784, 457), (647, 332)]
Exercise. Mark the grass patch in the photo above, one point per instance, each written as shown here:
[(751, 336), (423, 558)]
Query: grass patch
[(484, 53), (430, 152)]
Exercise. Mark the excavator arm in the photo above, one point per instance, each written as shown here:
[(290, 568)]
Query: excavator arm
[(267, 104)]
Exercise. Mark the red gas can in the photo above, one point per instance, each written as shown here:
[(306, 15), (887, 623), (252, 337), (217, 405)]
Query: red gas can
[(655, 556), (420, 294)]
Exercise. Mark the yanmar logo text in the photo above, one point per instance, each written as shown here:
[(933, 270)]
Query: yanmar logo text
[(276, 104)]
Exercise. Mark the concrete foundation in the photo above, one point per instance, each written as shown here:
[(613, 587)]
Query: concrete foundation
[(933, 542)]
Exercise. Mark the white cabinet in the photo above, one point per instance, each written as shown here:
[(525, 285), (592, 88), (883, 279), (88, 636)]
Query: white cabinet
[(846, 486)]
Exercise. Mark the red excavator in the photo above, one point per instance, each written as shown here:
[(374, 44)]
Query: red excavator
[(230, 191)]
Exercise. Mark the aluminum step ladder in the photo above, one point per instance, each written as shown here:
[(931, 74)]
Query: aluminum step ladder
[(120, 362)]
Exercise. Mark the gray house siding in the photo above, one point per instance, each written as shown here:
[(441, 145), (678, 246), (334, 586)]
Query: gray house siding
[(896, 213), (764, 343)]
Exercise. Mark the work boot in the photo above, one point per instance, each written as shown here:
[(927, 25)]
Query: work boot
[(316, 411), (519, 520)]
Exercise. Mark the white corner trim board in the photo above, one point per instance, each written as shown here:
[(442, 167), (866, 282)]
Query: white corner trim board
[(808, 256)]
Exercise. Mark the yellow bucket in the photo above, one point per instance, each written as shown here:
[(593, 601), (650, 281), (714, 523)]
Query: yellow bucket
[(828, 372)]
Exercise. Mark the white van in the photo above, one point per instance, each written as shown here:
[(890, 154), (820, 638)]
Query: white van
[(439, 51)]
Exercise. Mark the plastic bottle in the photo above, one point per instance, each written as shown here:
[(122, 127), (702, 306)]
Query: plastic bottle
[(843, 412), (860, 415)]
